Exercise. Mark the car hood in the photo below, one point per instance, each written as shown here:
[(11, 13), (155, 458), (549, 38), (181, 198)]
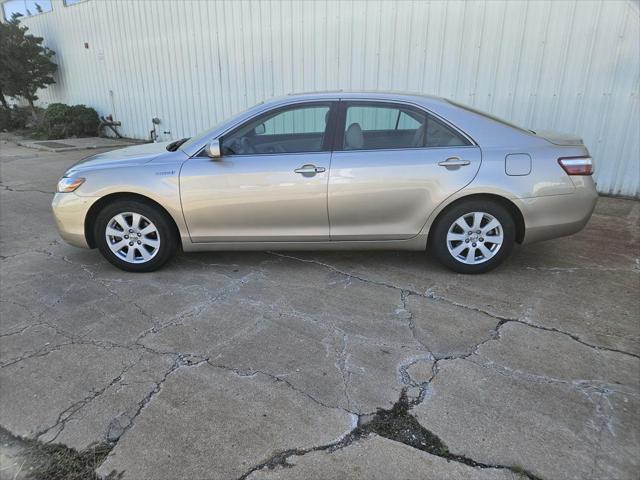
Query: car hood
[(134, 155), (565, 139)]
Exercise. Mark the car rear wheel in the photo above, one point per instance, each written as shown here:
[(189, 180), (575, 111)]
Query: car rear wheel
[(135, 236), (473, 236)]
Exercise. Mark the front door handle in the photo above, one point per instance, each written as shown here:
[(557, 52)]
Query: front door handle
[(454, 162), (309, 170)]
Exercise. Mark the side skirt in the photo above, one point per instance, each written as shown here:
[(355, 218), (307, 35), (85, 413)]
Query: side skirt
[(417, 243)]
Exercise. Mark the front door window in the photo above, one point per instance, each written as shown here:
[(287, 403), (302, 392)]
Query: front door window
[(295, 129)]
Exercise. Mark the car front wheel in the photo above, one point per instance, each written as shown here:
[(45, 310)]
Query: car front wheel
[(135, 236), (473, 236)]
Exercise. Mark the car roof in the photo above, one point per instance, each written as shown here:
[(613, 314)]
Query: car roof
[(360, 94)]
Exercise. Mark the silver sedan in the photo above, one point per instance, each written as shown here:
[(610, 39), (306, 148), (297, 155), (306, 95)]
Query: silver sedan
[(333, 171)]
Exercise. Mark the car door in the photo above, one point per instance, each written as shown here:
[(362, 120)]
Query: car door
[(392, 165), (270, 184)]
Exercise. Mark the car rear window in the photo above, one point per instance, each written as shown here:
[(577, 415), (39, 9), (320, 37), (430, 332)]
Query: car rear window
[(489, 116)]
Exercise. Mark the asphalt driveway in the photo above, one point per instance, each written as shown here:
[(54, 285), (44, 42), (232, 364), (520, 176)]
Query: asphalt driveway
[(320, 365)]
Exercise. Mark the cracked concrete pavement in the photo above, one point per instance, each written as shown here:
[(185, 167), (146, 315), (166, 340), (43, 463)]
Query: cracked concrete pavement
[(262, 365)]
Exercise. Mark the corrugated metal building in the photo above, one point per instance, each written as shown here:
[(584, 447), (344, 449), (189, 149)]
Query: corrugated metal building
[(566, 65)]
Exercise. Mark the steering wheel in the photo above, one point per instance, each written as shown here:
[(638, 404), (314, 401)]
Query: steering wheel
[(245, 146), (275, 149), (241, 146)]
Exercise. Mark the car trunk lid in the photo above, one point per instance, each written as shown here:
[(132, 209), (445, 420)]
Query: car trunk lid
[(564, 139)]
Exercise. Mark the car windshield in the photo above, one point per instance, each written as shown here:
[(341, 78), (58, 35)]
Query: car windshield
[(492, 117), (201, 136)]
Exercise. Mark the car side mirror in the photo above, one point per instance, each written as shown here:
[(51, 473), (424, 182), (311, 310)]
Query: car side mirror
[(213, 149)]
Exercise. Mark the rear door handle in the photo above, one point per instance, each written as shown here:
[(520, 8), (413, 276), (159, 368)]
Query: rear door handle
[(309, 170), (454, 162)]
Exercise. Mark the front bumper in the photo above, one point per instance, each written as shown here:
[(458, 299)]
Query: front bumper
[(559, 215), (69, 212)]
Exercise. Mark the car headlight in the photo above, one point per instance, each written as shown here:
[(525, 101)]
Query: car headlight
[(69, 184)]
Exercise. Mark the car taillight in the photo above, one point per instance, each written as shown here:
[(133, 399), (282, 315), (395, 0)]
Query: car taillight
[(577, 165)]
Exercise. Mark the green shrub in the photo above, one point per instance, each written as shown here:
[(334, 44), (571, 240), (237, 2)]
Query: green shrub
[(85, 120), (57, 113), (57, 120), (5, 119), (15, 118), (61, 121)]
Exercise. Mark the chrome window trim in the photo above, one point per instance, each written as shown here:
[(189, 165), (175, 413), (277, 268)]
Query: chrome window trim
[(274, 154), (402, 149)]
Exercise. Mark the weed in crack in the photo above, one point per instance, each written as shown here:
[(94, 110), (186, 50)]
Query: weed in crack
[(51, 461)]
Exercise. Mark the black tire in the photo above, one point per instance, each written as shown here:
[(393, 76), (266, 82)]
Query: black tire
[(438, 238), (165, 231)]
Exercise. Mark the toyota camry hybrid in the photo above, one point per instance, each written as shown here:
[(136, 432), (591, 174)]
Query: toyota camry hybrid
[(333, 171)]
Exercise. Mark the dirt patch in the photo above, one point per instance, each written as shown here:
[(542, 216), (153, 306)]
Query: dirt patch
[(399, 425)]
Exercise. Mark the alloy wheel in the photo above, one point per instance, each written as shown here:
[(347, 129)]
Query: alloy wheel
[(475, 238), (132, 237)]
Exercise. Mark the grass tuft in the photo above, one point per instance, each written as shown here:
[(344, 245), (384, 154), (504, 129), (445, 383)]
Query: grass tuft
[(53, 461)]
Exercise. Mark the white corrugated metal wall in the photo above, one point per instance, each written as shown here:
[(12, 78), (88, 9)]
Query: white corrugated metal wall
[(566, 65)]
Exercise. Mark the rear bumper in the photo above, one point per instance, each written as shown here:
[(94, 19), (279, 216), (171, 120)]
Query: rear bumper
[(69, 212), (559, 215)]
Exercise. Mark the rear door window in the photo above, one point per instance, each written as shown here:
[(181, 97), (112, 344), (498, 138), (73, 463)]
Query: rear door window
[(375, 126)]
